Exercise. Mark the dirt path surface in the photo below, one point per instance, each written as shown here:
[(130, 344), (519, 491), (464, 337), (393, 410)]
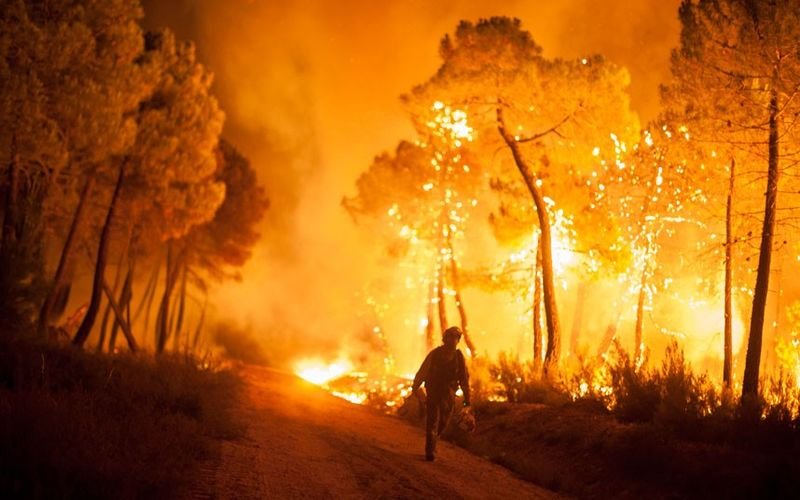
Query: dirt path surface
[(304, 443)]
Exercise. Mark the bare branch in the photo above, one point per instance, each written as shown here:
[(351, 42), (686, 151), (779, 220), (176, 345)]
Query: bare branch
[(551, 130)]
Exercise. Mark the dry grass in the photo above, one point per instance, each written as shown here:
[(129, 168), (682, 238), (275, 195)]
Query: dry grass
[(590, 454), (669, 433), (79, 425)]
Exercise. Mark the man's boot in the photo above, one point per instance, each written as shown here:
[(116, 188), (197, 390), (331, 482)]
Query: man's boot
[(430, 446)]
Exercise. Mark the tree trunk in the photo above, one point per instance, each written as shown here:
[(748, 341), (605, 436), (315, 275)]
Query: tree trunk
[(148, 291), (127, 305), (161, 317), (537, 308), (609, 336), (149, 307), (9, 214), (162, 324), (727, 364), (104, 327), (462, 312), (638, 351), (200, 322), (126, 328), (69, 243), (577, 318), (753, 360), (10, 247), (173, 315), (100, 267), (442, 306), (429, 327), (171, 322), (124, 304), (181, 306), (107, 312), (548, 284)]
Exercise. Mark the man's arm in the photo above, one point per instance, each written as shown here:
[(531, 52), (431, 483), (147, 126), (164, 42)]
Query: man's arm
[(464, 378), (422, 373)]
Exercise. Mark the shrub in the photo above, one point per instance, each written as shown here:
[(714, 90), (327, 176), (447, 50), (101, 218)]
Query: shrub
[(517, 382), (513, 377), (670, 394), (683, 395), (590, 382), (482, 384), (781, 399), (636, 394), (238, 344), (80, 425)]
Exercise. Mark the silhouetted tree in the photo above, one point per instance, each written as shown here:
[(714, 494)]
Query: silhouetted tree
[(92, 80), (738, 71)]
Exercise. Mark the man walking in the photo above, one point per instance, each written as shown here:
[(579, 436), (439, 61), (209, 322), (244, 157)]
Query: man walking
[(442, 372)]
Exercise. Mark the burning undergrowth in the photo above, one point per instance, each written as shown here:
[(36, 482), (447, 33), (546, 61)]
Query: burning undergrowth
[(384, 392), (608, 426), (669, 393)]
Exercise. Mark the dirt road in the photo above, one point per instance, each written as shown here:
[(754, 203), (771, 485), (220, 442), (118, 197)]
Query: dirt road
[(304, 443)]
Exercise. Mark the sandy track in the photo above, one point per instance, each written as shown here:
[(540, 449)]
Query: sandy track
[(304, 443)]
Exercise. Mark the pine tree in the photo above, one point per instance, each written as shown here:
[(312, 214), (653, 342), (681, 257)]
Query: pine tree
[(738, 70), (549, 114)]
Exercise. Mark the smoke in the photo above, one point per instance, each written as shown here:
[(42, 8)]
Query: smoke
[(310, 89)]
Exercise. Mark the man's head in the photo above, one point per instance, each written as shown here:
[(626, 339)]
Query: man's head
[(451, 336)]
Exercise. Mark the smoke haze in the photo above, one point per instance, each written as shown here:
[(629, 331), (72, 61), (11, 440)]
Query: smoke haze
[(310, 89)]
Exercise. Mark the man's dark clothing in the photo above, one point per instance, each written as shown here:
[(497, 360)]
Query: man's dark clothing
[(437, 416), (443, 371)]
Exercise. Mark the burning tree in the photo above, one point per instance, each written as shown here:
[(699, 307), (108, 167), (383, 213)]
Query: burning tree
[(737, 70), (650, 194), (456, 181), (425, 193), (549, 114), (718, 199), (514, 226)]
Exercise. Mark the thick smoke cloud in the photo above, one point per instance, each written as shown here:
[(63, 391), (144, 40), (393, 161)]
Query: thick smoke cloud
[(311, 91)]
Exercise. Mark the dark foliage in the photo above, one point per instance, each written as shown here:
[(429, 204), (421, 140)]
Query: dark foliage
[(238, 344), (518, 382), (77, 425)]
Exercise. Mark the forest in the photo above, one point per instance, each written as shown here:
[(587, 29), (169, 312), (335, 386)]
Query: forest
[(648, 232), (116, 180), (596, 263), (122, 205)]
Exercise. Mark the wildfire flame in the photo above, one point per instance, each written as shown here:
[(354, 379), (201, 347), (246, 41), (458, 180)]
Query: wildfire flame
[(319, 372), (631, 182), (341, 379)]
